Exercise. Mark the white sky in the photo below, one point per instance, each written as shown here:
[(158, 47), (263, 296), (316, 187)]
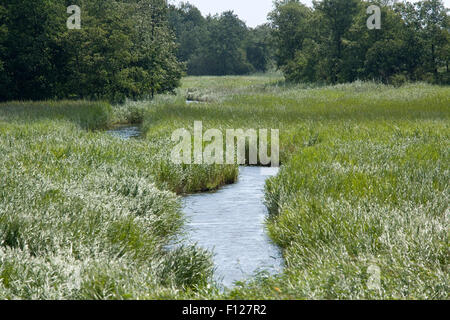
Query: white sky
[(253, 12)]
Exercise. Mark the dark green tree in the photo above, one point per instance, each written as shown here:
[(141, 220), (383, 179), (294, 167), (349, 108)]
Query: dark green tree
[(434, 22), (156, 47), (259, 49), (4, 79), (335, 44), (222, 51), (31, 46), (190, 29), (289, 21), (221, 44), (123, 49), (387, 52), (338, 17)]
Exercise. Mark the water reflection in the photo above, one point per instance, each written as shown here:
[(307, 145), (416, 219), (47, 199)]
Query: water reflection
[(230, 222)]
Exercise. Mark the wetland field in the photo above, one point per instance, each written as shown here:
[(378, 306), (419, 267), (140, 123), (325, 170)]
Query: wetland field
[(359, 208)]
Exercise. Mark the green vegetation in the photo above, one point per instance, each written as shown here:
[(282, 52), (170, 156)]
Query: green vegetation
[(138, 48), (124, 49), (220, 44), (84, 215), (331, 42), (365, 165), (327, 43), (364, 182)]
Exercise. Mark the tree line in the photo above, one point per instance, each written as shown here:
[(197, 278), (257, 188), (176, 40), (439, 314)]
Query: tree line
[(123, 49), (331, 42), (220, 44), (138, 48), (328, 43)]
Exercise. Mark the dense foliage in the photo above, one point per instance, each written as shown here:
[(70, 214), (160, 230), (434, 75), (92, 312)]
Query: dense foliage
[(123, 49), (331, 42), (220, 44), (136, 48)]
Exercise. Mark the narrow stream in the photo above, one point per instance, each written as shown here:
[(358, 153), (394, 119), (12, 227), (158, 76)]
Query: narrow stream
[(231, 223), (125, 132)]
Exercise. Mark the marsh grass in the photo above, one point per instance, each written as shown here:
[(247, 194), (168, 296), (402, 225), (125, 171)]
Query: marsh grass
[(364, 182), (84, 215), (88, 115)]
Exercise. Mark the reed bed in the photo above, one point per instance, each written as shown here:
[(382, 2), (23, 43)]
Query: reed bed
[(363, 185)]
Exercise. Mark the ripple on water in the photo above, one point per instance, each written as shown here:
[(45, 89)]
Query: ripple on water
[(231, 223), (125, 132)]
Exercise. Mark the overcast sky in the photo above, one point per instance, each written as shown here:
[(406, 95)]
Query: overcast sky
[(253, 12)]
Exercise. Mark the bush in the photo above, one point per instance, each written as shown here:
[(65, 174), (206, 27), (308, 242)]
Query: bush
[(398, 79)]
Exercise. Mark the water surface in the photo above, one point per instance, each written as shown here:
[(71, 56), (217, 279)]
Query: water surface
[(231, 223), (125, 132)]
